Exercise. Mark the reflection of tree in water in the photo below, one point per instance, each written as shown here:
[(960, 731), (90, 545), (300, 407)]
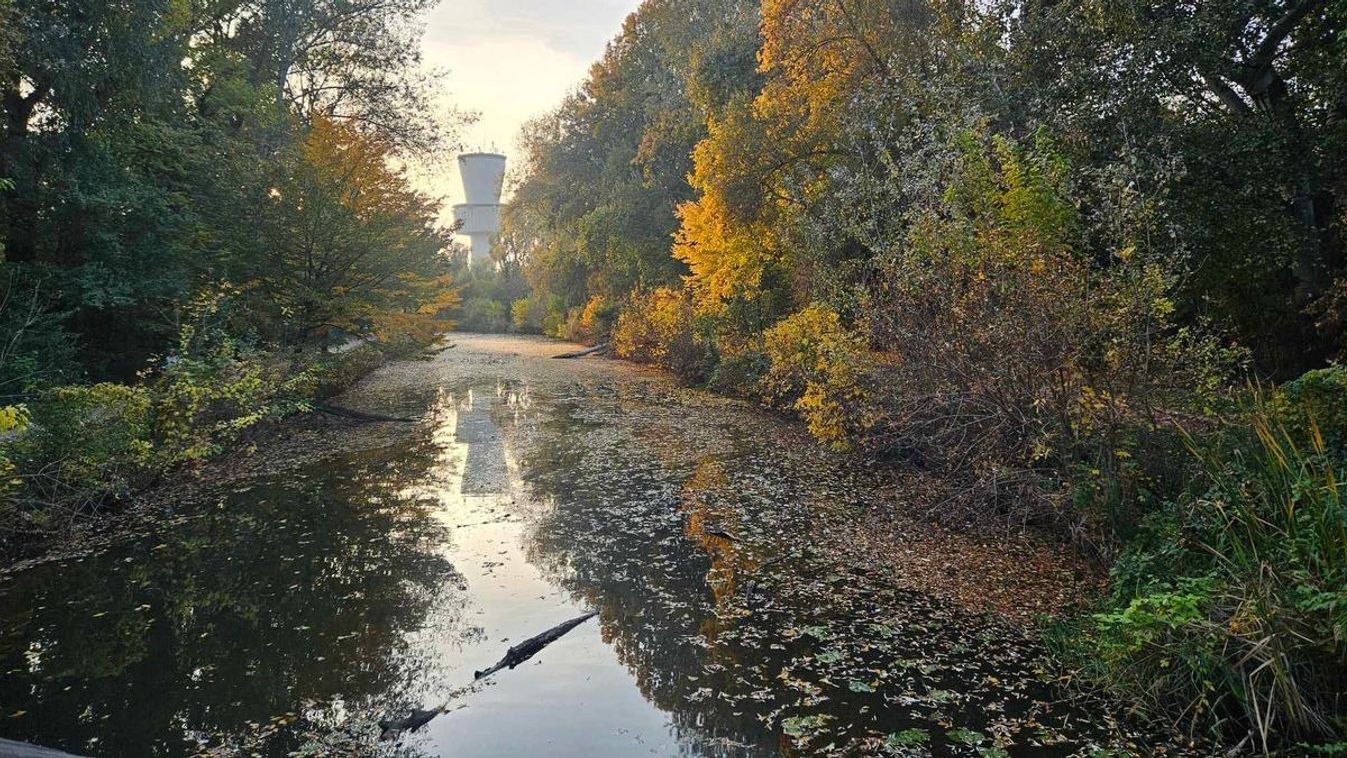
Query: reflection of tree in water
[(743, 637), (615, 539), (713, 524), (299, 590)]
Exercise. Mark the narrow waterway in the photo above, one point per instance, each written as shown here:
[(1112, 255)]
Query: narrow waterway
[(288, 610)]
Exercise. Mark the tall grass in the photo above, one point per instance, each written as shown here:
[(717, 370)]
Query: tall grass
[(1230, 611)]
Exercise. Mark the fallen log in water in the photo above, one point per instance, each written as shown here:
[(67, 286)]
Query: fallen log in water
[(530, 647), (516, 655), (583, 353), (716, 531), (360, 416), (11, 749), (393, 727)]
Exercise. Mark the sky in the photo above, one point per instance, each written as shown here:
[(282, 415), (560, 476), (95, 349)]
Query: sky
[(511, 60)]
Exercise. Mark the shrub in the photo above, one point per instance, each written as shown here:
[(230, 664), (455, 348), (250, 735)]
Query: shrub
[(555, 322), (527, 316), (660, 327), (335, 374), (1320, 397), (481, 314), (82, 447), (570, 326), (591, 323), (738, 373), (214, 387), (1020, 362), (596, 320), (13, 424), (822, 371)]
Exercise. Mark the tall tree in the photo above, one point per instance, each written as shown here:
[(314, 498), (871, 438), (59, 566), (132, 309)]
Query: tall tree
[(136, 135), (626, 136), (1242, 108), (352, 60), (353, 246)]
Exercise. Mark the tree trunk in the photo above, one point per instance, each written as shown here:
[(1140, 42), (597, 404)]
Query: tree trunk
[(20, 202)]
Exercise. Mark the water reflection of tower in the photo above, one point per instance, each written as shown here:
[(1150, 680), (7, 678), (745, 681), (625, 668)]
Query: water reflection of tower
[(478, 216)]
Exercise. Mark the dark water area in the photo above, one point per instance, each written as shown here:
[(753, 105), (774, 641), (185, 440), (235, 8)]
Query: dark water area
[(288, 612)]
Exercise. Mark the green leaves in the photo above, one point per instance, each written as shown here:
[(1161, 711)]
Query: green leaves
[(908, 738), (805, 726), (966, 737), (627, 140)]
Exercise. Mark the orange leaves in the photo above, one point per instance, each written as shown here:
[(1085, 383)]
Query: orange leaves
[(357, 248), (356, 166), (414, 307)]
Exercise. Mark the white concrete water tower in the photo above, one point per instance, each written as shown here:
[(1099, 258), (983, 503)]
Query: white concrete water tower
[(478, 216)]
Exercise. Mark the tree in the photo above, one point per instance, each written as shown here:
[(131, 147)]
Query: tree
[(354, 247), (136, 136), (355, 61), (626, 136), (72, 68), (1241, 108)]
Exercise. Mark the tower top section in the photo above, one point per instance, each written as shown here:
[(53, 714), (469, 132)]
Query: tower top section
[(483, 177)]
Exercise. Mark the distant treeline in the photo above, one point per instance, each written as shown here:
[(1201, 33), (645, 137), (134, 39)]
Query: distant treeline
[(1050, 252)]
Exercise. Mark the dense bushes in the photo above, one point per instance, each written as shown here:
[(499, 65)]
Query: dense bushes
[(1023, 356), (81, 445), (204, 396), (592, 323), (660, 327), (527, 316), (824, 372), (1319, 399), (480, 314), (73, 450)]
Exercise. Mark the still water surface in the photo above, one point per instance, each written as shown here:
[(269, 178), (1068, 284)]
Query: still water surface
[(290, 610)]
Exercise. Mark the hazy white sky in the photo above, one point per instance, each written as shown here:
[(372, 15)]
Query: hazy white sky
[(510, 60)]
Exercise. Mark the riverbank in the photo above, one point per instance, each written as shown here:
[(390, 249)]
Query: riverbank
[(92, 461), (344, 573), (1217, 514), (1022, 575)]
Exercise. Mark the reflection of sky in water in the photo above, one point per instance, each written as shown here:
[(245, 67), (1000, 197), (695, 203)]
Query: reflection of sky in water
[(574, 698), (378, 581)]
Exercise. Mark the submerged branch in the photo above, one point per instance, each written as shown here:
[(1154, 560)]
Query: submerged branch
[(533, 645), (333, 410), (582, 353), (392, 728)]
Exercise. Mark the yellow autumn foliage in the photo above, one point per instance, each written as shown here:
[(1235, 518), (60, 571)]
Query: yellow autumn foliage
[(821, 370), (650, 324), (724, 235)]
